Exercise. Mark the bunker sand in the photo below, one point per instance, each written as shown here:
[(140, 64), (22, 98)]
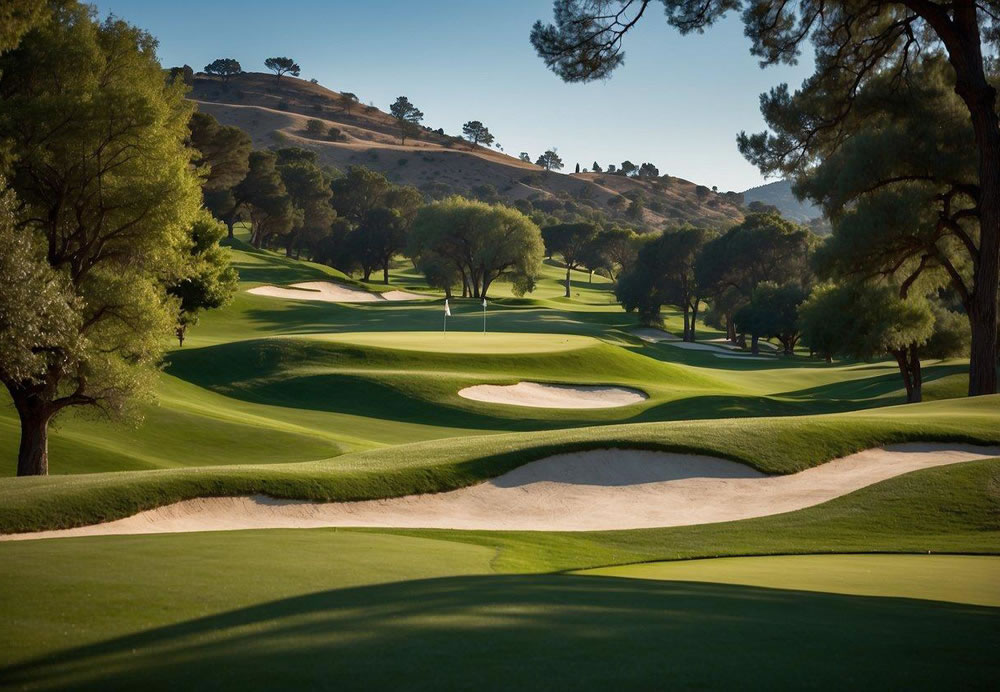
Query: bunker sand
[(583, 491), (539, 395), (330, 292)]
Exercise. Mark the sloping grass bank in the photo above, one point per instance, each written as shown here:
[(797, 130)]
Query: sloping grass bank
[(771, 445)]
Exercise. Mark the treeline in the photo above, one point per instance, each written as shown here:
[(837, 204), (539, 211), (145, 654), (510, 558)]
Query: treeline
[(767, 278)]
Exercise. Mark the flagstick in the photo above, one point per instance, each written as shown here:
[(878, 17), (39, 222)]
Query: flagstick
[(484, 315)]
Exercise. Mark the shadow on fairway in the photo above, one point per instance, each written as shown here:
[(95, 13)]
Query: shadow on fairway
[(549, 631)]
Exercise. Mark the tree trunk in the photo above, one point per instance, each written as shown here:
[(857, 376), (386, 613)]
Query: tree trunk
[(229, 227), (590, 277), (971, 85), (754, 344), (367, 272), (687, 324), (908, 361), (567, 281), (694, 319), (33, 453), (385, 273)]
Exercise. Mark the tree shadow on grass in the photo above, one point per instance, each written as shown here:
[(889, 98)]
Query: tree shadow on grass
[(547, 632)]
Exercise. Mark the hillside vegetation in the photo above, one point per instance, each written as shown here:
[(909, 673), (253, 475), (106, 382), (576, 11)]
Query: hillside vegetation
[(276, 114)]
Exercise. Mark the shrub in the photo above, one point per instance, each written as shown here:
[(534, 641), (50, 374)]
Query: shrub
[(335, 135), (315, 127), (283, 105)]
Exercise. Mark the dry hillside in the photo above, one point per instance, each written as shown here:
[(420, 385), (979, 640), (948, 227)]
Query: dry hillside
[(275, 114)]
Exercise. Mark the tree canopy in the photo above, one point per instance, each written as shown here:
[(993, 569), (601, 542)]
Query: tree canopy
[(282, 65), (224, 67), (407, 117), (550, 160), (483, 243), (100, 117), (477, 133)]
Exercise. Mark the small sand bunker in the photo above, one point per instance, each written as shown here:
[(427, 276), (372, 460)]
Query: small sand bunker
[(583, 491), (330, 292), (540, 395)]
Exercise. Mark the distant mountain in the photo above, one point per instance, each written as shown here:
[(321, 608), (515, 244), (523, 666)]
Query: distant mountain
[(276, 114), (779, 194)]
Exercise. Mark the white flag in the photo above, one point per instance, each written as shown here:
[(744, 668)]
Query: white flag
[(447, 310), (484, 302)]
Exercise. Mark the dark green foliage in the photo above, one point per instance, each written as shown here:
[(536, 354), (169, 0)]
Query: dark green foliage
[(772, 313), (407, 117), (224, 67), (281, 65), (664, 273), (570, 241)]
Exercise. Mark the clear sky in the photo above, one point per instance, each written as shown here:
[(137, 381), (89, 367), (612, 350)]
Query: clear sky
[(678, 102)]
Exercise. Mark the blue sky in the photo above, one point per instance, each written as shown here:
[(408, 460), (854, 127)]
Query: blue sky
[(677, 102)]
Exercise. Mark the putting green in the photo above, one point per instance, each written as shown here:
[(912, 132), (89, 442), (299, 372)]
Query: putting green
[(971, 579), (463, 342)]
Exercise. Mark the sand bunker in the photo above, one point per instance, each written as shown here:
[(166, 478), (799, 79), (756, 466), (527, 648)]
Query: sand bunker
[(330, 292), (540, 395), (583, 491)]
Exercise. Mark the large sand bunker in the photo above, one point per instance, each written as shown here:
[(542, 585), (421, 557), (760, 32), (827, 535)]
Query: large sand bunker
[(582, 491), (330, 292), (540, 395)]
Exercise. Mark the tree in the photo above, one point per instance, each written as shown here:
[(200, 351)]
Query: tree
[(262, 193), (99, 117), (648, 170), (222, 150), (316, 128), (612, 250), (524, 156), (627, 168), (184, 73), (663, 273), (635, 209), (210, 281), (911, 218), (280, 66), (854, 42), (596, 168), (765, 247), (358, 192), (308, 189), (347, 101), (865, 321), (772, 313), (570, 241), (224, 67), (484, 243), (407, 117), (577, 168), (550, 160), (477, 133), (18, 17)]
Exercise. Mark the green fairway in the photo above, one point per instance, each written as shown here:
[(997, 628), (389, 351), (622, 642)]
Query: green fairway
[(954, 578), (463, 342), (303, 605), (325, 401)]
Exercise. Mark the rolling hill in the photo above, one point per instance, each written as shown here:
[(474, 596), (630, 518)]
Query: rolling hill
[(275, 114)]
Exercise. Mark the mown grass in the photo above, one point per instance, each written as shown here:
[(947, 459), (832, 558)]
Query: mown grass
[(772, 445), (255, 609)]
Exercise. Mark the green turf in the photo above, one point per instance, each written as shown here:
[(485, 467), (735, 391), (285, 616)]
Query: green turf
[(954, 578), (773, 445)]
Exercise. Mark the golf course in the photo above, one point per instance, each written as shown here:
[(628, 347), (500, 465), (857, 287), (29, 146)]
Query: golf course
[(355, 404), (306, 389)]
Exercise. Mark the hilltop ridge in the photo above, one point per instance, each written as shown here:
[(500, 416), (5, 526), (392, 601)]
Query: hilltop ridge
[(276, 113)]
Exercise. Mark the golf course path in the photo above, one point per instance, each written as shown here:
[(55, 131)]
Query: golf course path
[(583, 491)]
